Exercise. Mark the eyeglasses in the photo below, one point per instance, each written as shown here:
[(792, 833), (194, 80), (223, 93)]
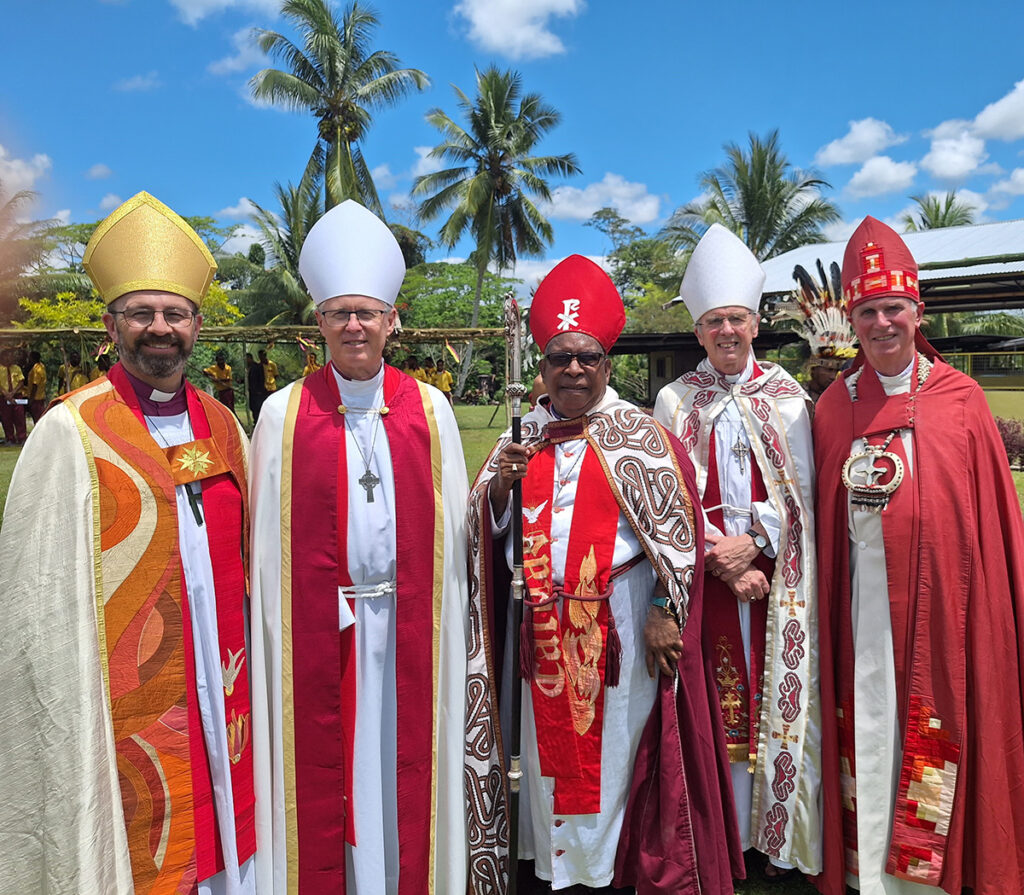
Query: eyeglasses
[(560, 359), (736, 321), (339, 317), (140, 318)]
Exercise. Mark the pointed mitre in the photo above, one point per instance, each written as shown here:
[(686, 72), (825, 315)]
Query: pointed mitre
[(577, 296), (877, 264), (143, 244), (722, 273), (350, 251)]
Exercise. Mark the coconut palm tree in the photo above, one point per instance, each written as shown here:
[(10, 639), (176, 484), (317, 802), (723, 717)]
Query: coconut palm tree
[(278, 294), (336, 76), (494, 178), (760, 197), (933, 213)]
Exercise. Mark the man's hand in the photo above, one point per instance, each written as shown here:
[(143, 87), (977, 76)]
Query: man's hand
[(750, 584), (729, 556), (511, 468), (664, 645)]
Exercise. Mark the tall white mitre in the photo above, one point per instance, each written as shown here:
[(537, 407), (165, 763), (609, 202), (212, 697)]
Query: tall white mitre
[(722, 272), (350, 251)]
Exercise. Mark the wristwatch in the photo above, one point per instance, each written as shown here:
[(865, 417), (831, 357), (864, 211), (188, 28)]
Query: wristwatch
[(760, 541)]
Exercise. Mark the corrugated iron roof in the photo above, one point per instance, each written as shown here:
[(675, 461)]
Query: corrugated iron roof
[(942, 245)]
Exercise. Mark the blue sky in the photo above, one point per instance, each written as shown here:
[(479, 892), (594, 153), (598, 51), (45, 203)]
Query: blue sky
[(102, 99)]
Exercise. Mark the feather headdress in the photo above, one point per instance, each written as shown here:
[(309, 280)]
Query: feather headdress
[(821, 311)]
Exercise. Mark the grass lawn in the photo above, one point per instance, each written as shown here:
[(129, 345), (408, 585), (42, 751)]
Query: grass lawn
[(477, 436)]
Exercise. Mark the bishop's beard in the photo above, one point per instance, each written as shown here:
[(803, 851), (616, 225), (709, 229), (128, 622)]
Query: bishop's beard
[(158, 366)]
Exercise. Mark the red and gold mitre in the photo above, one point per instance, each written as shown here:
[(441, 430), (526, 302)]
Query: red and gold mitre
[(577, 297), (143, 244), (877, 263)]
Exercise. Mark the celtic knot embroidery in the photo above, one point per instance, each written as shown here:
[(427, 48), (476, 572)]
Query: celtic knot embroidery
[(793, 639), (655, 497), (698, 379), (783, 388), (793, 556), (772, 446), (690, 430), (703, 399), (777, 818), (762, 409), (784, 782), (789, 697), (629, 430)]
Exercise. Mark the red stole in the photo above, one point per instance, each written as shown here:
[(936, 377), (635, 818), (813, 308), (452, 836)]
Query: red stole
[(738, 676), (570, 652), (173, 666), (323, 672)]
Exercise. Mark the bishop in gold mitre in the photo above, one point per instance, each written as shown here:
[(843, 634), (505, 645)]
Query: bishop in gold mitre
[(125, 724)]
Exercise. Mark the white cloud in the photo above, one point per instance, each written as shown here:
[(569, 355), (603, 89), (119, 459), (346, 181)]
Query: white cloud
[(531, 270), (1012, 185), (109, 202), (519, 29), (403, 202), (242, 209), (865, 138), (247, 55), (383, 178), (138, 83), (239, 241), (956, 151), (21, 174), (63, 216), (98, 172), (1003, 119), (424, 164), (193, 11), (629, 199), (839, 231), (881, 175)]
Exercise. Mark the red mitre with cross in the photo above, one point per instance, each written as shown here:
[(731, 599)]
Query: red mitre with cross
[(577, 297), (877, 263)]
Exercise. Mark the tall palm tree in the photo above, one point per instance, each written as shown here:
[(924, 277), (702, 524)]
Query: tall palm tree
[(493, 178), (933, 213), (278, 295), (760, 197), (341, 81)]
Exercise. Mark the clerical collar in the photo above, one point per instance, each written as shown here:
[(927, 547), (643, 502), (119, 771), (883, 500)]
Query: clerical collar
[(899, 378), (358, 387), (744, 374), (155, 402)]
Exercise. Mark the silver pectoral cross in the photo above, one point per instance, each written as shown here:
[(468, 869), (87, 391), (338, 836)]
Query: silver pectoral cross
[(739, 451), (369, 481)]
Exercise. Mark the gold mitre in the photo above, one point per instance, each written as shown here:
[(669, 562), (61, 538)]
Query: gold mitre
[(143, 244)]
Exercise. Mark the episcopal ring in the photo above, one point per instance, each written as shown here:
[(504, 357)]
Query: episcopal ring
[(515, 467)]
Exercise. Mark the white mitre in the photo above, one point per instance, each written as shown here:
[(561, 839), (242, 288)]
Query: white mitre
[(350, 251), (722, 272)]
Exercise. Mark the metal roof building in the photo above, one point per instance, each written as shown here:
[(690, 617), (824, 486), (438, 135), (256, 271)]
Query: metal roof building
[(973, 268)]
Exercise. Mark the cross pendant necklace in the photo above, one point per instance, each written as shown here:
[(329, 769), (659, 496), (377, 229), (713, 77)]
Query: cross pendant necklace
[(369, 481), (739, 450)]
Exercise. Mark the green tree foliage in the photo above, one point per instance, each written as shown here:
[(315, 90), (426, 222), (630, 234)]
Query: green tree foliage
[(494, 176), (337, 77), (277, 294), (933, 213), (65, 310), (649, 314), (218, 307), (414, 245), (257, 255), (760, 197)]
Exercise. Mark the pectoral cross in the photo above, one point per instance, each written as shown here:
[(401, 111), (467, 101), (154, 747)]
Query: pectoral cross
[(739, 451), (369, 481)]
